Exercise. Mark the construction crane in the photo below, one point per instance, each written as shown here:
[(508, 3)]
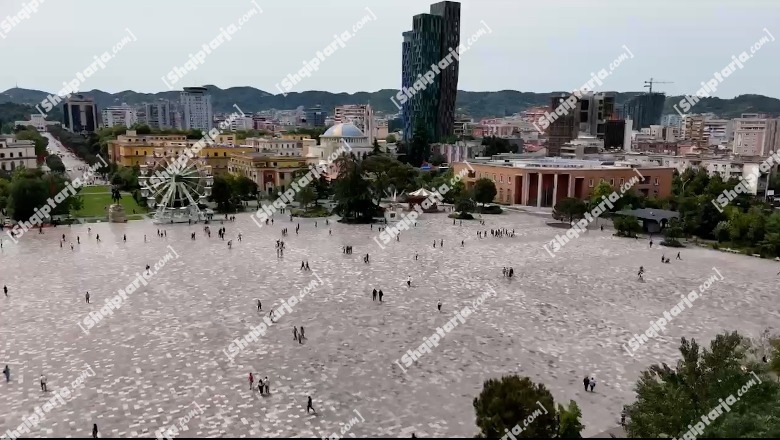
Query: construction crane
[(651, 82)]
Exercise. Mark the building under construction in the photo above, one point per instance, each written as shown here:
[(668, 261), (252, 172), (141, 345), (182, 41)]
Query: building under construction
[(645, 110)]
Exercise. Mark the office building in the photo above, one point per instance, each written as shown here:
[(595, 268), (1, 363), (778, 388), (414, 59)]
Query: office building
[(196, 109), (315, 117), (79, 114), (427, 44)]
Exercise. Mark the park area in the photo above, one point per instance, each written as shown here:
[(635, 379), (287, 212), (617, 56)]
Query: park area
[(97, 199)]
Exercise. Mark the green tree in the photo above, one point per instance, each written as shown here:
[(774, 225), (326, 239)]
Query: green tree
[(602, 189), (669, 400), (353, 194), (510, 401), (377, 149), (31, 134), (496, 145), (570, 425), (390, 139), (484, 191), (627, 226), (569, 210), (305, 196), (438, 159), (222, 193), (55, 163), (465, 205), (27, 192), (5, 192), (419, 148), (244, 187)]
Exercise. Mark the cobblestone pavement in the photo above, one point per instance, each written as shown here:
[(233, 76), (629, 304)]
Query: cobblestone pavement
[(160, 356)]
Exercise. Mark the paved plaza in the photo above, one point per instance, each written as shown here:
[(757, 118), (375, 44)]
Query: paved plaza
[(161, 354)]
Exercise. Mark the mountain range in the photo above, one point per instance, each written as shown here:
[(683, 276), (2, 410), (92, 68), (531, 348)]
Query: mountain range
[(474, 104)]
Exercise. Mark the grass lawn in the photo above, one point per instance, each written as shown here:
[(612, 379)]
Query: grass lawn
[(96, 205), (96, 189)]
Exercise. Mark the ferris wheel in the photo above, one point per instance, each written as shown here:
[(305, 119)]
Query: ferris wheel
[(174, 191)]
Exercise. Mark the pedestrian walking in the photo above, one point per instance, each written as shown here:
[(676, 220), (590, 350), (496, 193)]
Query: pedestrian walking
[(295, 333), (43, 383), (251, 381), (267, 385), (259, 305), (310, 406), (408, 281), (94, 430), (373, 295), (586, 382), (303, 334), (592, 384), (380, 295), (678, 256), (439, 305), (5, 290), (87, 297), (7, 373)]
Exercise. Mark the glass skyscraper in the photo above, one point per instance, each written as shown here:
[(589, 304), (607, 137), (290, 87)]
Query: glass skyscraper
[(430, 40)]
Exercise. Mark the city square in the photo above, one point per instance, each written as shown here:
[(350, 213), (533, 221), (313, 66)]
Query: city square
[(163, 352)]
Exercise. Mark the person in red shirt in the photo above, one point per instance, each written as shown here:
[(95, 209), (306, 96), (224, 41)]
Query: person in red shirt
[(251, 381)]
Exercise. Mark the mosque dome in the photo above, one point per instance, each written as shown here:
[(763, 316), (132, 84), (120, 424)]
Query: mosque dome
[(343, 131)]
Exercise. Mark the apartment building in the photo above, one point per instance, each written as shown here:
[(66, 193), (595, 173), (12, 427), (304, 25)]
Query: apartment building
[(196, 109), (277, 147), (749, 134), (118, 116)]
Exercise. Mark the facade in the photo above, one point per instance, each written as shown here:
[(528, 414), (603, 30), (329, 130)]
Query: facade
[(671, 120), (315, 117), (196, 109), (561, 130), (337, 136), (132, 149), (543, 182), (724, 167), (276, 147), (158, 115), (749, 134), (118, 115), (693, 130), (361, 116), (16, 153), (718, 131), (406, 83), (270, 173), (38, 121), (645, 110), (80, 114), (427, 44)]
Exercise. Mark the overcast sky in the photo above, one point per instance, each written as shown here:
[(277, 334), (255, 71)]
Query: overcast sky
[(534, 46)]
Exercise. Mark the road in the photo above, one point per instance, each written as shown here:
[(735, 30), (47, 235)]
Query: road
[(72, 162)]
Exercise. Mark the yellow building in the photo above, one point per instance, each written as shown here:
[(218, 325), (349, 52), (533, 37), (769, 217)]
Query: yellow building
[(269, 172), (132, 149)]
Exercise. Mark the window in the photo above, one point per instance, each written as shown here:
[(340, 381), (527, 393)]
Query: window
[(590, 183), (508, 179), (501, 178), (494, 177), (612, 182), (601, 180), (622, 180), (224, 154)]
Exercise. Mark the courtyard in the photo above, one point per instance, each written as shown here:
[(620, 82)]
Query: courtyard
[(161, 354)]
